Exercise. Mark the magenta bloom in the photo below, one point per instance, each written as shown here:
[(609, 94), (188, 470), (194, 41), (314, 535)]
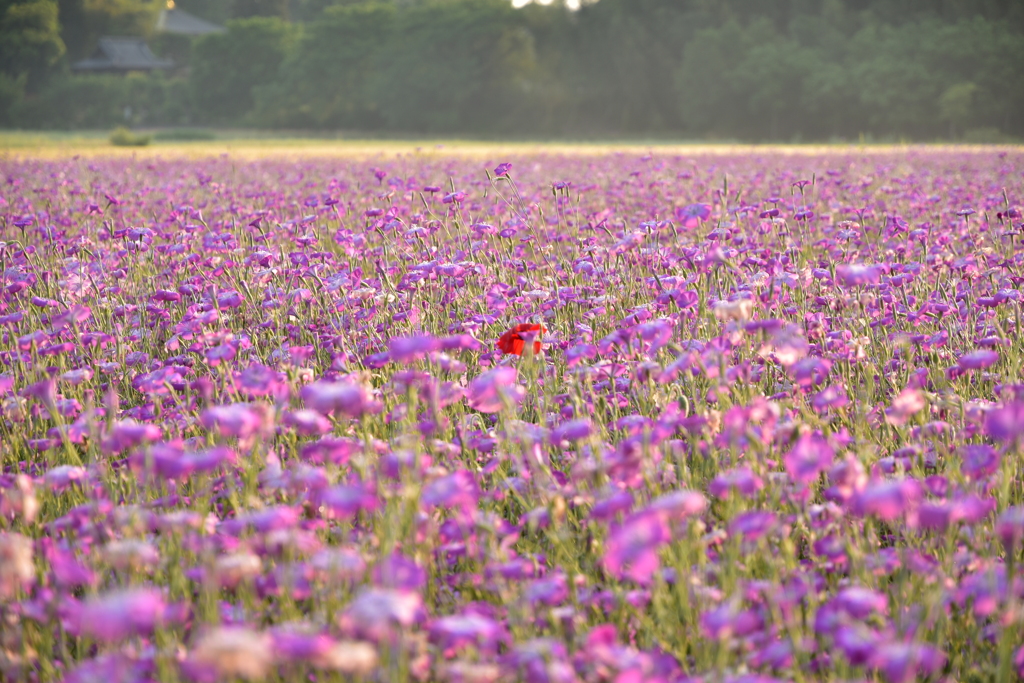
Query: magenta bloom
[(112, 617), (808, 458), (618, 502), (632, 549), (741, 479), (502, 169), (679, 505), (693, 215), (858, 274), (978, 360), (1010, 527), (731, 621), (860, 602), (887, 500), (979, 461), (456, 490), (1007, 423), (239, 420), (378, 613), (752, 525), (494, 389), (572, 431), (346, 500), (459, 630), (409, 349), (348, 398), (905, 662)]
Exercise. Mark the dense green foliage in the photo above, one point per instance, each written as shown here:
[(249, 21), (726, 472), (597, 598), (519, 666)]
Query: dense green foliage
[(724, 69)]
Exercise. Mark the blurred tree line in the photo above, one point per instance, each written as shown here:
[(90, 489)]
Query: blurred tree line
[(721, 69)]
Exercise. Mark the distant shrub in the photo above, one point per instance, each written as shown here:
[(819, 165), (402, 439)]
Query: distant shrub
[(102, 101), (122, 137), (987, 135), (185, 135)]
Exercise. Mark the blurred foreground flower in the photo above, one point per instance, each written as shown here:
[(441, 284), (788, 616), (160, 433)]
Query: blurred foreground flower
[(229, 652), (492, 390), (16, 567)]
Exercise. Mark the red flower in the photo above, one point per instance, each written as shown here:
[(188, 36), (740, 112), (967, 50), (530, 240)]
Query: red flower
[(514, 343)]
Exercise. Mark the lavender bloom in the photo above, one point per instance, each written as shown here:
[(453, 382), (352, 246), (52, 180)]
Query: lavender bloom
[(408, 349), (376, 612), (456, 490), (731, 621), (741, 479), (494, 390), (978, 360), (857, 275), (1010, 528), (692, 215), (1006, 423), (617, 503), (979, 461), (860, 602), (887, 500), (112, 617), (456, 631), (751, 526), (348, 398), (808, 458), (904, 662), (575, 430), (240, 420), (631, 551)]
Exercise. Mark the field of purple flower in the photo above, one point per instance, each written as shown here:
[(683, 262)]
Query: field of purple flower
[(757, 418)]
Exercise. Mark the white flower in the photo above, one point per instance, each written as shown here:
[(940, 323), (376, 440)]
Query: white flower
[(235, 651)]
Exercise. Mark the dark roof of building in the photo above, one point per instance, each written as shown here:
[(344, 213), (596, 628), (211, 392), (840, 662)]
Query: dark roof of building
[(181, 22), (122, 54)]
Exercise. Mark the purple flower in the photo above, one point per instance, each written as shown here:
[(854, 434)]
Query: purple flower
[(1006, 423), (456, 490), (608, 508), (494, 390), (860, 602), (632, 549), (887, 500), (349, 398), (752, 525), (408, 349), (978, 360), (808, 458), (346, 501), (905, 662), (112, 617), (858, 274), (456, 631), (741, 479), (376, 612), (240, 420), (679, 505), (1010, 527), (692, 215), (979, 461), (398, 571), (502, 169), (572, 431), (731, 621)]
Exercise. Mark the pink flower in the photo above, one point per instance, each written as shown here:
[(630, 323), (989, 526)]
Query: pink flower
[(494, 390), (632, 549), (349, 398)]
